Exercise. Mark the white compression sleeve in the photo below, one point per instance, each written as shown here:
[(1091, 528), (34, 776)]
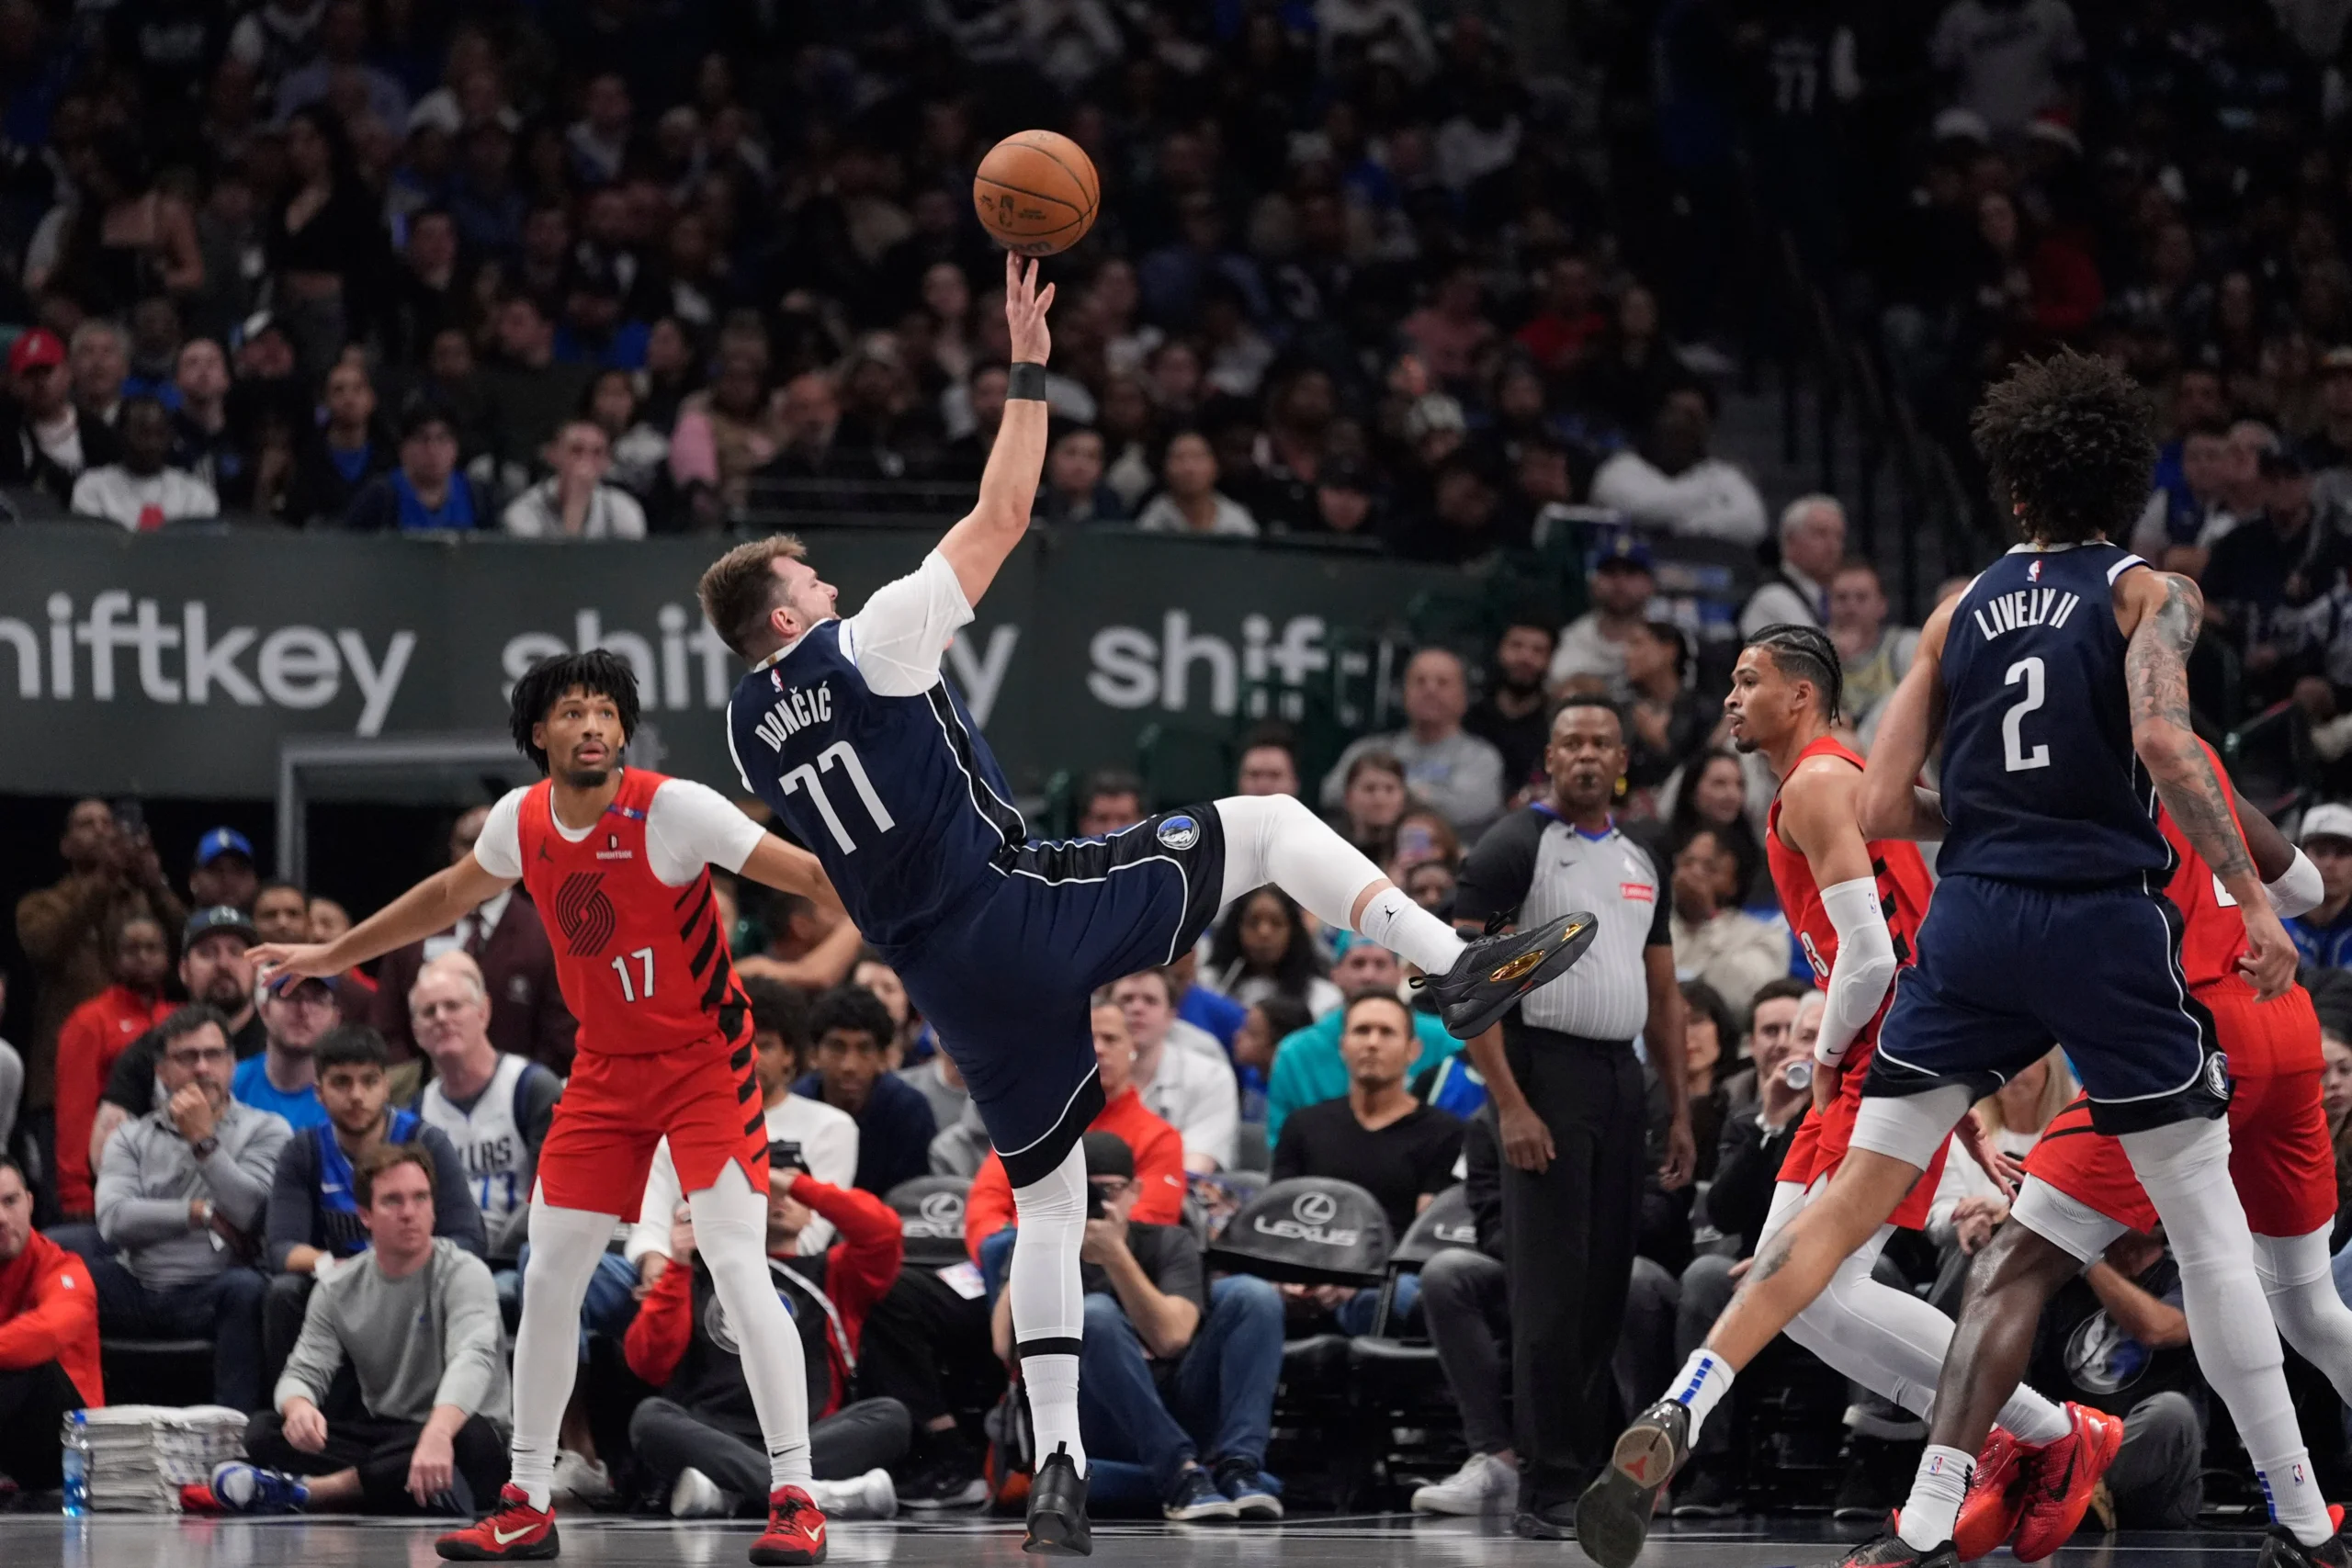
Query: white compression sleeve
[(732, 1234), (2311, 1316), (1049, 1301), (1274, 838), (2297, 889), (565, 1245), (1865, 965)]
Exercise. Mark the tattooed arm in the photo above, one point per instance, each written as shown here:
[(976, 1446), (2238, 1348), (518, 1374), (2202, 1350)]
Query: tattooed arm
[(1891, 803), (2160, 613)]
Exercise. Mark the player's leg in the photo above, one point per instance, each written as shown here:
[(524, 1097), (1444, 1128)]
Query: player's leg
[(1274, 838), (730, 1219), (2283, 1163), (2298, 1280), (566, 1245)]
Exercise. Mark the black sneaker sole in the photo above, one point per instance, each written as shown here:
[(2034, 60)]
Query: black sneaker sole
[(1514, 965), (1614, 1515), (1057, 1534), (537, 1552)]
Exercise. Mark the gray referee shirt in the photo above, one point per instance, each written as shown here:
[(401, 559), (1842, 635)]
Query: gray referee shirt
[(1533, 867)]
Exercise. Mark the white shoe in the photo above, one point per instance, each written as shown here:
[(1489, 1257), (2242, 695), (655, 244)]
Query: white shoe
[(869, 1496), (585, 1478), (697, 1497), (1484, 1481)]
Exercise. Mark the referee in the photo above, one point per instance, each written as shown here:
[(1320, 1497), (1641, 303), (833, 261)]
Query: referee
[(1569, 1098)]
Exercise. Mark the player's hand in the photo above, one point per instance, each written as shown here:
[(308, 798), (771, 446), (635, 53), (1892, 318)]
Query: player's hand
[(306, 1428), (432, 1466), (1828, 1079), (1681, 1155), (1025, 310), (273, 961), (2005, 1172), (2269, 963), (1527, 1142)]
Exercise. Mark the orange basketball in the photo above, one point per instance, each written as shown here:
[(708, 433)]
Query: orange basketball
[(1037, 192)]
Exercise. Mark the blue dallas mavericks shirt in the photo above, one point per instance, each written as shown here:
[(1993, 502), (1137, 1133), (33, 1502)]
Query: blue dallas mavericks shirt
[(2041, 782), (871, 763)]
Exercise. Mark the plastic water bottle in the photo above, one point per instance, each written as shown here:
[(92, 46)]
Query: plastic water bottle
[(74, 1461)]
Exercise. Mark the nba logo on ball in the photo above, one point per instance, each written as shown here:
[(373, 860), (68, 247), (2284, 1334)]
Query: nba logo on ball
[(1179, 832)]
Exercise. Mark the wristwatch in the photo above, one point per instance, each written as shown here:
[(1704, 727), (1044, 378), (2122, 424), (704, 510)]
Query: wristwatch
[(206, 1205), (203, 1148)]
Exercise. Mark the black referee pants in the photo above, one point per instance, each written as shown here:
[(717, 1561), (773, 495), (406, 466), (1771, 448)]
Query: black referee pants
[(1568, 1244)]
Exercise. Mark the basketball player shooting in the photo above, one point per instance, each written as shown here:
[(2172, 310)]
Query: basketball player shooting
[(847, 729), (619, 859)]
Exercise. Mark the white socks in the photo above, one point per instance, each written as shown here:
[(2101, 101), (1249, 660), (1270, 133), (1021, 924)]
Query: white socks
[(1049, 1303), (1933, 1512), (1274, 838), (2185, 1169), (1701, 1385), (731, 1235), (565, 1245)]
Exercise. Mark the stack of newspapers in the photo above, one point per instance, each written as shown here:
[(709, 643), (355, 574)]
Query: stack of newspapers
[(141, 1454)]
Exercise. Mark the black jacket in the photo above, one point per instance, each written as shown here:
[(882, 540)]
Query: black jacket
[(1747, 1166)]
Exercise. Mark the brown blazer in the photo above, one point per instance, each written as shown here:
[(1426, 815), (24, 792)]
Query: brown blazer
[(526, 1012)]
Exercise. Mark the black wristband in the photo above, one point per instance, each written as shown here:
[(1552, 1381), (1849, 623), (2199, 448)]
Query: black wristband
[(1026, 382)]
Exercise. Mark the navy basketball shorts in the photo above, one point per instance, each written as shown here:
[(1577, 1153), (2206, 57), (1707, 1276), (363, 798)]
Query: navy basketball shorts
[(1007, 978), (2006, 968)]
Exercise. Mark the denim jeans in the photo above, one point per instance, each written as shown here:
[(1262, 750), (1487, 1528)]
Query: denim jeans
[(225, 1309), (1220, 1396), (996, 1258), (1357, 1314)]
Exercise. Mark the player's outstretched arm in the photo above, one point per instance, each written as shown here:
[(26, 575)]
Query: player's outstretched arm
[(432, 905), (2164, 611), (788, 868), (976, 546), (1892, 804)]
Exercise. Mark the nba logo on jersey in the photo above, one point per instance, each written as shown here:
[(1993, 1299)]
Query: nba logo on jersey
[(2033, 572)]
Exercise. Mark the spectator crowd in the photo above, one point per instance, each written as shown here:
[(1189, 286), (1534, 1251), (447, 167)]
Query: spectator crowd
[(651, 265)]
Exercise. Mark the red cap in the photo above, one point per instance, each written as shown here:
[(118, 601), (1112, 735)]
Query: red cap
[(34, 349)]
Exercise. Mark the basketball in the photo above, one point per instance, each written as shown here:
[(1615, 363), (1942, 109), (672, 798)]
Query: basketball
[(1037, 192)]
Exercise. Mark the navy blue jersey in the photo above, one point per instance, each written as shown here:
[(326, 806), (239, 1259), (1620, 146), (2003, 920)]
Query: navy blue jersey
[(898, 796), (2041, 782)]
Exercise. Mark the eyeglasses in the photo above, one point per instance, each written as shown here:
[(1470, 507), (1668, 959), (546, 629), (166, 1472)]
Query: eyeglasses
[(197, 1058), (439, 1010)]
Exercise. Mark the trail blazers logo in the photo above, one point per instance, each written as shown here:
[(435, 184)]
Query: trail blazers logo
[(583, 914)]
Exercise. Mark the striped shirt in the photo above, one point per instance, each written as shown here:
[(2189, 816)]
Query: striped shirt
[(1533, 867)]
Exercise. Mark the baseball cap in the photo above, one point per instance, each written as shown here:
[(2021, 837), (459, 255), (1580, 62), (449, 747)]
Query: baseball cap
[(1621, 550), (2336, 361), (217, 917), (1107, 1153), (33, 349), (222, 841), (286, 985), (2333, 820)]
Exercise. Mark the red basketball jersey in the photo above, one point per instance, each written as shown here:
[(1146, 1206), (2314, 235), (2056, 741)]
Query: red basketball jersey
[(643, 966), (1903, 887)]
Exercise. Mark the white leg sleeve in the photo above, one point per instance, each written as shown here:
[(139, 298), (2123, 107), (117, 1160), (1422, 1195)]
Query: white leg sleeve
[(731, 1236), (1049, 1301), (1274, 838), (565, 1245), (2297, 1277), (2185, 1169)]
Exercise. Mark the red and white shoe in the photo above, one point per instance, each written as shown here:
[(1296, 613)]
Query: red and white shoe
[(2059, 1478), (515, 1532), (1995, 1500), (795, 1533)]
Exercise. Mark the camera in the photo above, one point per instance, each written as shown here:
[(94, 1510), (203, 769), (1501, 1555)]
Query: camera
[(784, 1155), (1093, 1201)]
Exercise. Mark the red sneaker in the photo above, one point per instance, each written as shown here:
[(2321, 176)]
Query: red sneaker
[(515, 1532), (1988, 1514), (2060, 1478), (796, 1534)]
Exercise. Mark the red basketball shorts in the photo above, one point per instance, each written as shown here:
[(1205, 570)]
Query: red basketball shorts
[(2281, 1158), (1821, 1143), (615, 1110)]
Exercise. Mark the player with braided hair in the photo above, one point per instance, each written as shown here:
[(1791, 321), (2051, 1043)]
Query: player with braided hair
[(1856, 905)]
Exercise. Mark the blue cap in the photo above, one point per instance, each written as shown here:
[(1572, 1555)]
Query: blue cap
[(218, 917), (222, 841), (1620, 546)]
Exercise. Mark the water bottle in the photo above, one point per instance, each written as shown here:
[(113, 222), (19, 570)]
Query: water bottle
[(75, 1437)]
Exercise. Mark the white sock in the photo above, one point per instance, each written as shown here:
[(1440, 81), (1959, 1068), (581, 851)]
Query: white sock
[(1932, 1513), (1274, 838), (2185, 1169), (1049, 1301), (2029, 1417), (565, 1247), (1403, 927), (1701, 1385), (731, 1235)]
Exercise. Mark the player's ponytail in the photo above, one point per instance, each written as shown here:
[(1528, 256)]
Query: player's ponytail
[(1806, 653)]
